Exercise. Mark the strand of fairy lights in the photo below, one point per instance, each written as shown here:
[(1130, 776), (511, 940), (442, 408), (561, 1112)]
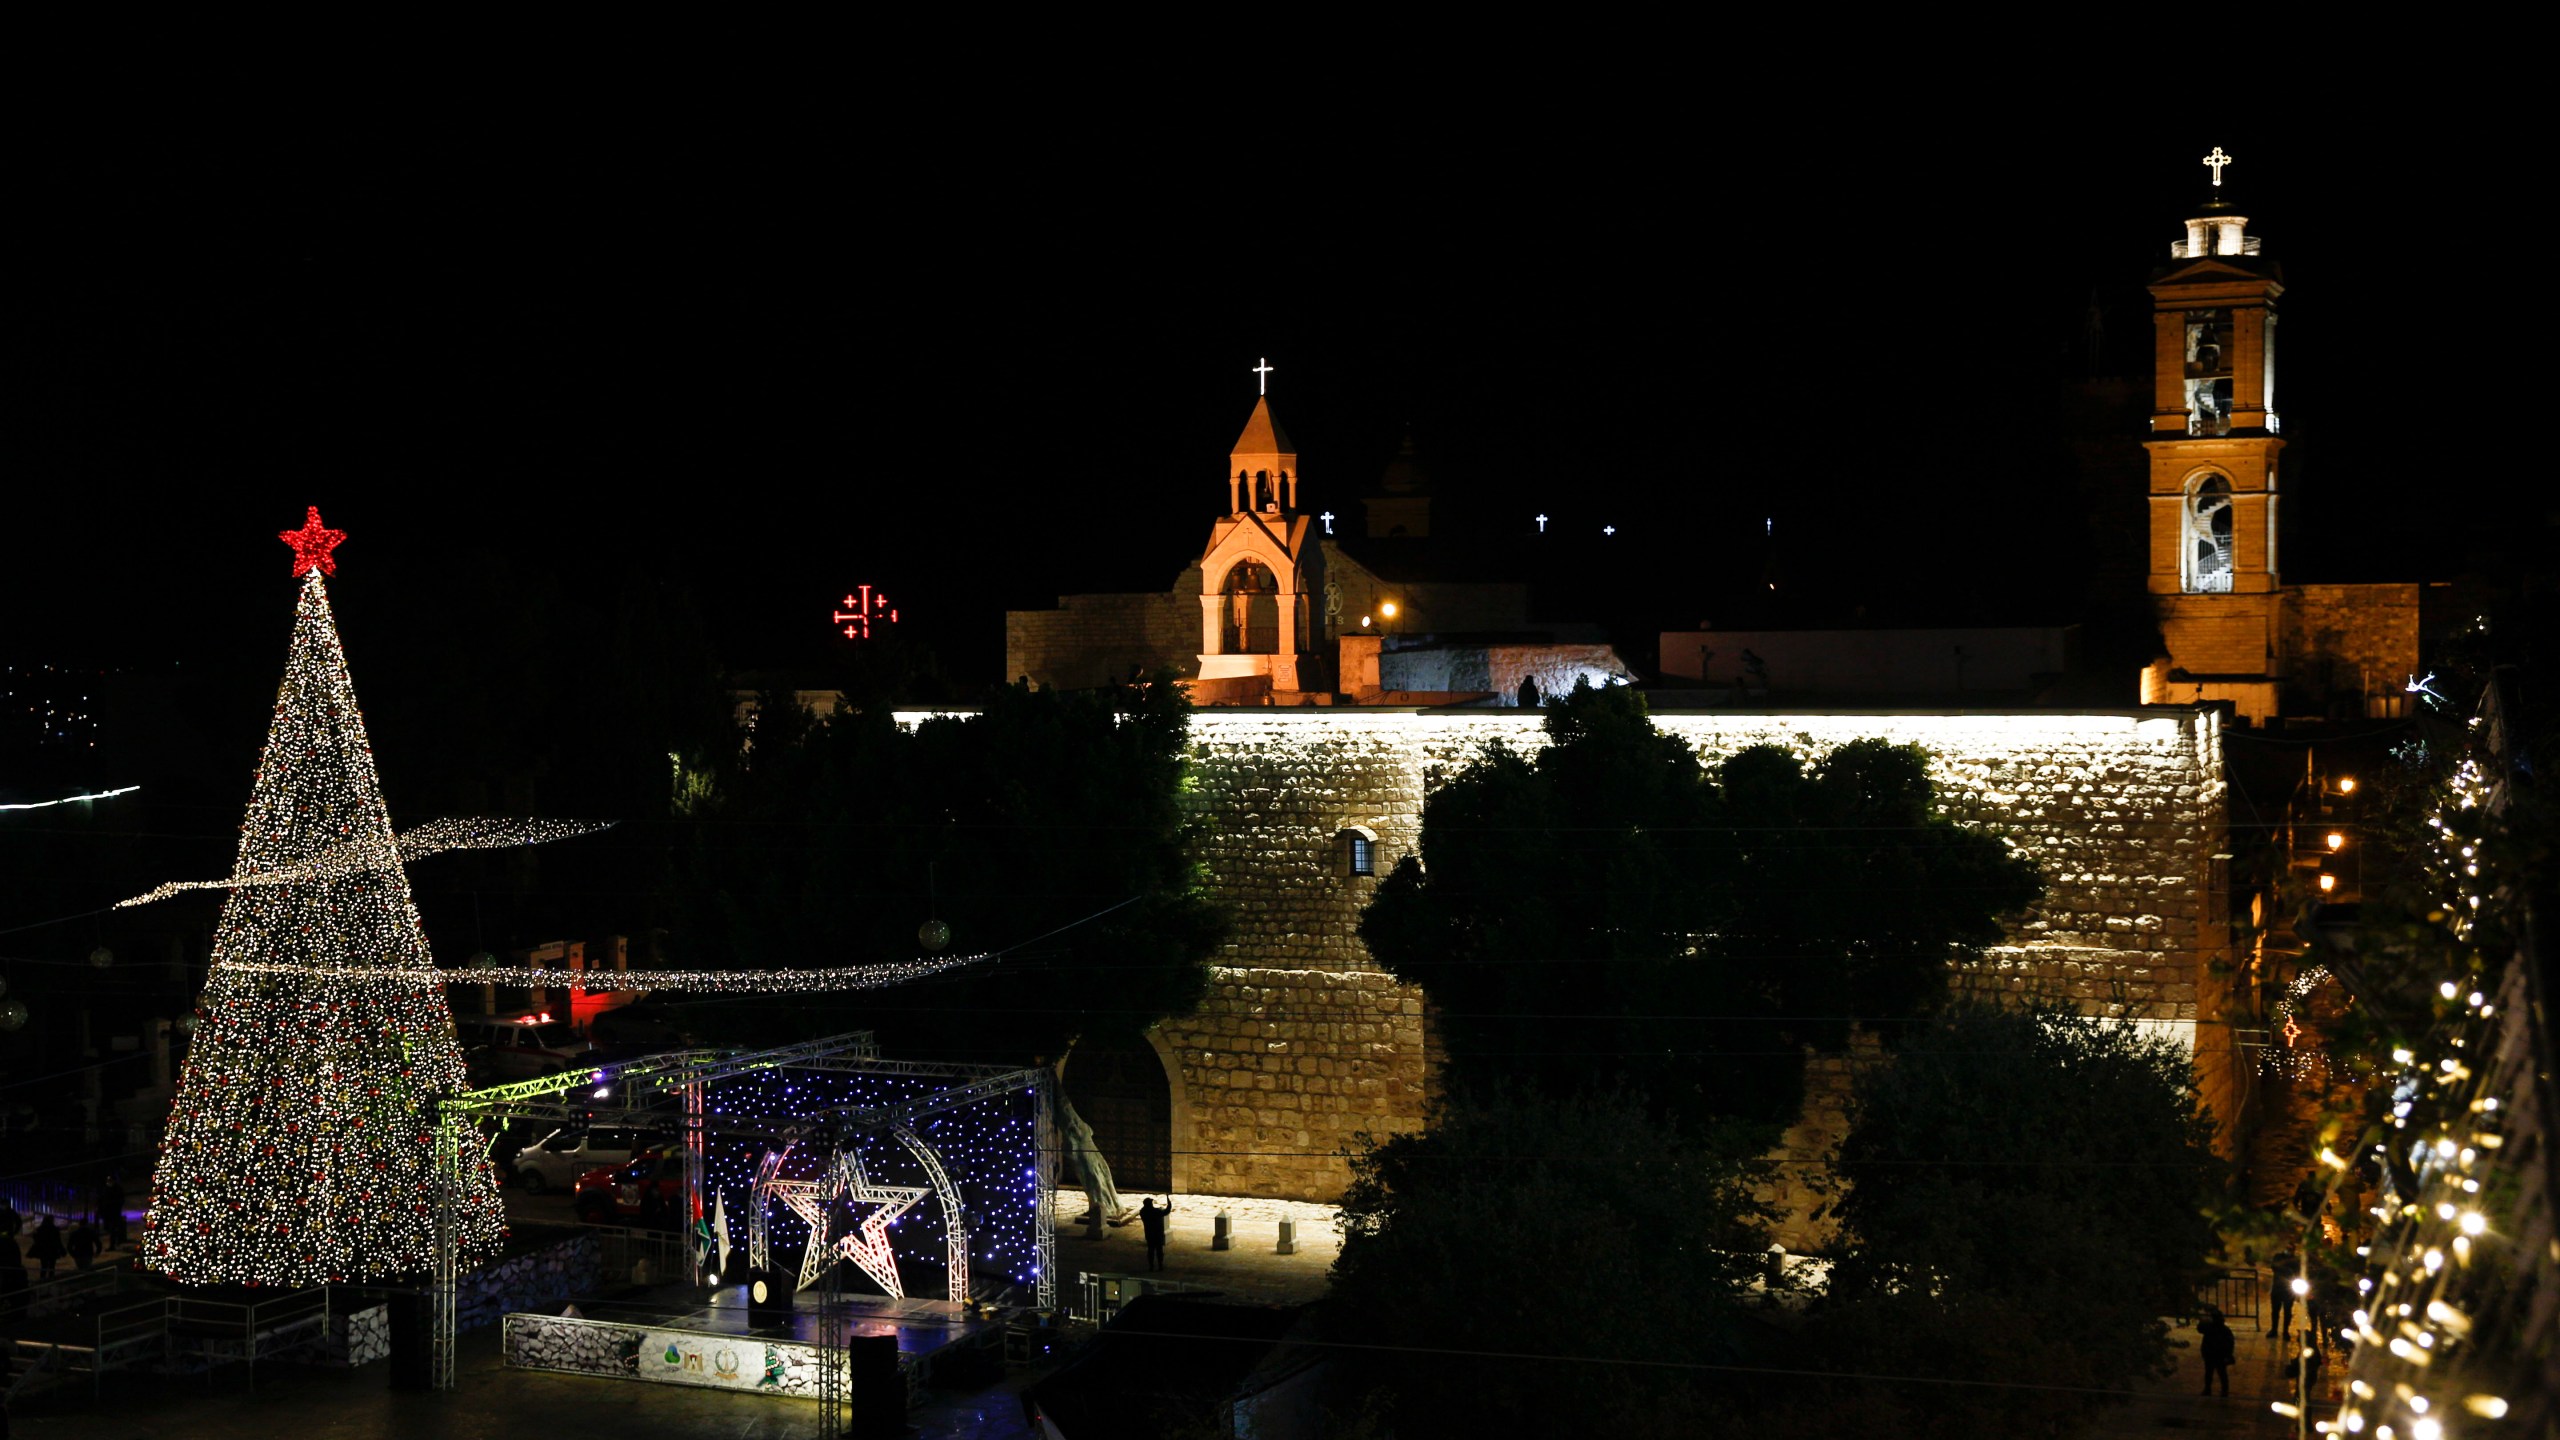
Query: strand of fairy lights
[(72, 799), (2411, 1335), (388, 978), (433, 838)]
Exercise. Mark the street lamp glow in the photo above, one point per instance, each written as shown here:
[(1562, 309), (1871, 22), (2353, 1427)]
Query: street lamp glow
[(2337, 841)]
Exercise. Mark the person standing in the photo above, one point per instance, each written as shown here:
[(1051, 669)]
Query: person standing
[(1151, 1220), (13, 1272), (2280, 1293), (111, 1209), (45, 1246), (2219, 1347), (82, 1245)]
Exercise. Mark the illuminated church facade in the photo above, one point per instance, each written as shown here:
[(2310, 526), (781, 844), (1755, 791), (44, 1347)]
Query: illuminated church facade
[(1311, 775)]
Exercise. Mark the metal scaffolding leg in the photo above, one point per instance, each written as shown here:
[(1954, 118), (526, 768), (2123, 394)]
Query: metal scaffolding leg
[(696, 1152), (453, 1131), (834, 1365), (1044, 1226)]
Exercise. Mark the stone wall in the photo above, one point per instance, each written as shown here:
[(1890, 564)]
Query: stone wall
[(2219, 634), (1303, 1044), (1281, 1070), (2351, 639), (1499, 669), (1092, 640)]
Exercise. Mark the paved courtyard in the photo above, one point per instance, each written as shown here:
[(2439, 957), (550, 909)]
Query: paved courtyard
[(493, 1401)]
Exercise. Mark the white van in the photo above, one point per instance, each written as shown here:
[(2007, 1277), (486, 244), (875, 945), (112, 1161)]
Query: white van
[(521, 1047), (557, 1160)]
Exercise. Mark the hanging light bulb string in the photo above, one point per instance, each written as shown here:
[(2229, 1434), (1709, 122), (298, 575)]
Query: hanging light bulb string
[(778, 980)]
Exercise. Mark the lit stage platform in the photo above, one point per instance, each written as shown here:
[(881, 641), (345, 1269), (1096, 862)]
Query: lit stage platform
[(716, 1346)]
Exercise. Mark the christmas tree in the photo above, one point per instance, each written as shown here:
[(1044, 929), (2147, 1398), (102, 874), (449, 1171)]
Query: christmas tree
[(300, 1148)]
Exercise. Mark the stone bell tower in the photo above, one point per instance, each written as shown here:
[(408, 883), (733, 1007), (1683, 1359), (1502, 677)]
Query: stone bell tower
[(2214, 442), (1262, 561)]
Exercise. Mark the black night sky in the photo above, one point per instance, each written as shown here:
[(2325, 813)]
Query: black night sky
[(751, 366)]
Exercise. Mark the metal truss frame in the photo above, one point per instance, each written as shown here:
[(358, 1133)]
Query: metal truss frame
[(686, 1075)]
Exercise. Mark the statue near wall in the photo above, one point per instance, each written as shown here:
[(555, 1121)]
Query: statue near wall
[(1101, 1196)]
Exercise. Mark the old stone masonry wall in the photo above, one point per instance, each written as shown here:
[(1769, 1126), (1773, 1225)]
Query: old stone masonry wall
[(1304, 1043)]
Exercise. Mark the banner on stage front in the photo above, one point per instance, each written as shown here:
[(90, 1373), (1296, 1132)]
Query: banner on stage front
[(725, 1362)]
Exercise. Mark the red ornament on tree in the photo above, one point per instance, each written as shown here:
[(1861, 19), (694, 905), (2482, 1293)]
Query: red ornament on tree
[(312, 544)]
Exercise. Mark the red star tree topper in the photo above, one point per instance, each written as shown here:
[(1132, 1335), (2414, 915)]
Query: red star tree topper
[(312, 544)]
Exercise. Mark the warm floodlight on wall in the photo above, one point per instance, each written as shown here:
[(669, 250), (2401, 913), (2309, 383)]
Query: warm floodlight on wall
[(2328, 883), (1388, 609), (2337, 841), (2347, 786)]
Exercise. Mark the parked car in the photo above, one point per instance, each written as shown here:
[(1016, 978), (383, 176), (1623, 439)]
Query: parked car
[(557, 1160), (520, 1047), (648, 1190)]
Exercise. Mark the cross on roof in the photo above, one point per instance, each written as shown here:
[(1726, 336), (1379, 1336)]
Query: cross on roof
[(1262, 370), (1327, 517), (2215, 161)]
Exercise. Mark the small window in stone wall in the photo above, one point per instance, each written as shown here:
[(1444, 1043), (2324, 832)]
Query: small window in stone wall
[(1360, 850)]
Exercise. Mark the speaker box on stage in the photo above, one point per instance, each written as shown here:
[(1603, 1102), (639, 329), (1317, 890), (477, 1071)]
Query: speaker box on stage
[(876, 1393), (768, 1297), (412, 1355)]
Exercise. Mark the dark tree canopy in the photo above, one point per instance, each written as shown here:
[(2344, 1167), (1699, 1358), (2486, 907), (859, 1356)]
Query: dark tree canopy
[(829, 843), (2028, 1195), (1580, 1229), (1612, 905)]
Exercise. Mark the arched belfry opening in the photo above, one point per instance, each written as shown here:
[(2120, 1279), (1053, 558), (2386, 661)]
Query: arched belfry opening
[(1121, 1089), (1262, 562), (1253, 609)]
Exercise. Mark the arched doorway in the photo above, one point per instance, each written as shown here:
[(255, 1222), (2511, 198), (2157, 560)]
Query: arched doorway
[(1121, 1091), (1250, 619)]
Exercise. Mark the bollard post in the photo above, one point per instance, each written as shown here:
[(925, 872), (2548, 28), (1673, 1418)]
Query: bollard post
[(1288, 1236), (1221, 1232)]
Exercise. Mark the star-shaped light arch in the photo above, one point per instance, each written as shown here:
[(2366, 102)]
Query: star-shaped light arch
[(814, 1200)]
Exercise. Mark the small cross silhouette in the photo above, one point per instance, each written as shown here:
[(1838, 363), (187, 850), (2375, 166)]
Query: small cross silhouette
[(1327, 517), (1608, 529), (1262, 370), (1542, 524), (2215, 161)]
